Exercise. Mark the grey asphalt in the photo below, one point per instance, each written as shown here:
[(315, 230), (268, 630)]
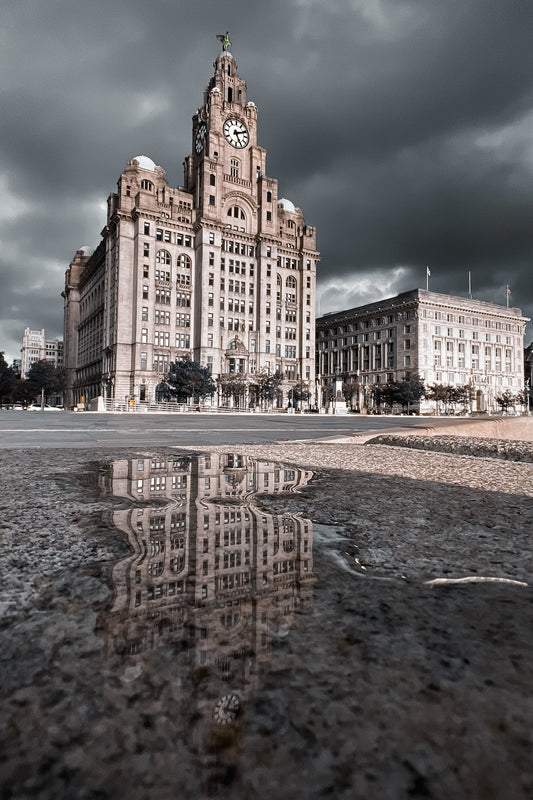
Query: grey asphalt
[(49, 429)]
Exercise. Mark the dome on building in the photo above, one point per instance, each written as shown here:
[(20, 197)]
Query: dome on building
[(251, 104), (287, 205), (145, 162), (86, 250)]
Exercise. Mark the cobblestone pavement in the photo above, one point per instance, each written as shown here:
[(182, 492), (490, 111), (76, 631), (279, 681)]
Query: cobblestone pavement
[(459, 445), (389, 687)]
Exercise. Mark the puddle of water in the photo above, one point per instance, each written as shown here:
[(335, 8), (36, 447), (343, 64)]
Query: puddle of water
[(205, 600)]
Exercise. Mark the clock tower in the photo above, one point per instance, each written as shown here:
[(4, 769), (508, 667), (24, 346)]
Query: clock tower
[(224, 142), (255, 256)]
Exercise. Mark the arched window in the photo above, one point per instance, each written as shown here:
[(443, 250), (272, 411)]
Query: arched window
[(279, 281), (162, 393), (291, 282), (236, 212), (177, 564), (163, 257), (184, 261), (147, 185)]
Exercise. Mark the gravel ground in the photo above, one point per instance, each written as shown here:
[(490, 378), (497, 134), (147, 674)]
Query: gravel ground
[(389, 686), (487, 448)]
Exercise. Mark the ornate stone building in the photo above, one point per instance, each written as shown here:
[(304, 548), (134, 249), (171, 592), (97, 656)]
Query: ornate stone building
[(219, 270), (443, 339)]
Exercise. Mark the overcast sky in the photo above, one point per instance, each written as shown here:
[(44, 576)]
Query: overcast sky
[(402, 128)]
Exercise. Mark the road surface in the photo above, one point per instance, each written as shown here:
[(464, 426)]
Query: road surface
[(49, 429)]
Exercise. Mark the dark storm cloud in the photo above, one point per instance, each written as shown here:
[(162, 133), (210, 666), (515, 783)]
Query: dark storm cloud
[(401, 129)]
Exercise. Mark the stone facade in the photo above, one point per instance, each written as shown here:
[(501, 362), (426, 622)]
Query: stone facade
[(36, 347), (443, 339), (220, 270)]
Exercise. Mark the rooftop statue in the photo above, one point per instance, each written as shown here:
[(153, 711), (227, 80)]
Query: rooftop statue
[(226, 41)]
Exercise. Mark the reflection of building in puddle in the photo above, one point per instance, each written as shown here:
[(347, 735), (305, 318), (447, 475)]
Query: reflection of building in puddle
[(211, 576)]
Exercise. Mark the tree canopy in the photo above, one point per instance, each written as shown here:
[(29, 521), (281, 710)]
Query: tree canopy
[(7, 378), (402, 392), (188, 379), (268, 385), (44, 378)]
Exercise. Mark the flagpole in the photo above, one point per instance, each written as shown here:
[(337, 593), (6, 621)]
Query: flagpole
[(507, 293), (469, 284), (428, 273)]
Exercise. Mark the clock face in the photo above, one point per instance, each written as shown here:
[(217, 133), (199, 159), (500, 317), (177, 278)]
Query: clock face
[(227, 709), (199, 138), (236, 132)]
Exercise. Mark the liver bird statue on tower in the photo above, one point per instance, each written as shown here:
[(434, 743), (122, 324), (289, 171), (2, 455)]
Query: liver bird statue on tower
[(224, 39)]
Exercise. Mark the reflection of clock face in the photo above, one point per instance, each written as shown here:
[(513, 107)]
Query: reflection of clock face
[(199, 138), (226, 709), (236, 132)]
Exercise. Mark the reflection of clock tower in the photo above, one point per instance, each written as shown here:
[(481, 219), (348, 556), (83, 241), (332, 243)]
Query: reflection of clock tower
[(255, 257)]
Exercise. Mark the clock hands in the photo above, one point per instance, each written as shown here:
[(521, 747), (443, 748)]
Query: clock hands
[(236, 133)]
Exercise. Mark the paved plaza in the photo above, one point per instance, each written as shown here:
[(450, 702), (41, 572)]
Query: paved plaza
[(380, 646), (44, 429)]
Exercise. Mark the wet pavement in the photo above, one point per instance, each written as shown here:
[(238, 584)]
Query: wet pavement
[(180, 625)]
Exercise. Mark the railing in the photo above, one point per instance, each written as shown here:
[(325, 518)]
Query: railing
[(131, 407), (143, 408), (237, 181)]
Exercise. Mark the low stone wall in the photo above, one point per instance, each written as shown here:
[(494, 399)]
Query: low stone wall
[(508, 450), (516, 428)]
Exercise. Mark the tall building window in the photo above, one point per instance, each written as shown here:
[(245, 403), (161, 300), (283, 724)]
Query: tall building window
[(182, 340), (163, 257)]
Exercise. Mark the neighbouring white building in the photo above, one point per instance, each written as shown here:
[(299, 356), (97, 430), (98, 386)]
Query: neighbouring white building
[(442, 339), (36, 347)]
